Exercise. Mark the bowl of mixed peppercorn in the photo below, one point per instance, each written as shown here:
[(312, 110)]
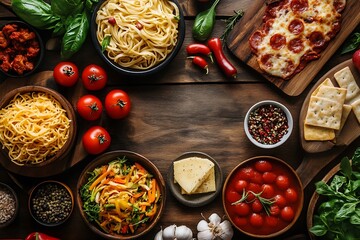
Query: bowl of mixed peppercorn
[(9, 205), (51, 203), (268, 124)]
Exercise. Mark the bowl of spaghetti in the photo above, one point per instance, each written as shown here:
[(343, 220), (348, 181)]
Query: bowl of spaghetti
[(138, 38), (37, 127), (121, 195)]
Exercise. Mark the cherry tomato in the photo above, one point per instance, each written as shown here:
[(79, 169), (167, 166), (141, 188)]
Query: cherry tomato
[(256, 220), (117, 104), (263, 166), (256, 206), (94, 77), (274, 210), (96, 140), (240, 185), (255, 188), (240, 221), (257, 178), (66, 74), (291, 195), (267, 191), (232, 196), (282, 182), (268, 177), (89, 107), (246, 173), (356, 59), (272, 221), (287, 213), (280, 200), (242, 209)]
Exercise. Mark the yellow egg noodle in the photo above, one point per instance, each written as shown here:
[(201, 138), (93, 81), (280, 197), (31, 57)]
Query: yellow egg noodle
[(33, 127), (145, 31)]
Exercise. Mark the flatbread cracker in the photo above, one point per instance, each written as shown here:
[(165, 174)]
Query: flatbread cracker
[(326, 82), (333, 93), (345, 113), (345, 79), (314, 133), (323, 112), (356, 108)]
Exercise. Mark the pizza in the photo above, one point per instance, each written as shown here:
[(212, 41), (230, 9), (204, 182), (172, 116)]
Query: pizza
[(293, 33)]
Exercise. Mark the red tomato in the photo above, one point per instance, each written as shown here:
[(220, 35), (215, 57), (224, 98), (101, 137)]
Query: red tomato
[(291, 195), (117, 104), (267, 191), (268, 177), (257, 178), (246, 173), (356, 59), (94, 77), (255, 188), (240, 221), (66, 74), (89, 107), (242, 209), (96, 140), (256, 206), (240, 185), (263, 166), (256, 220), (232, 196), (287, 213), (272, 221), (274, 210), (282, 182), (280, 200)]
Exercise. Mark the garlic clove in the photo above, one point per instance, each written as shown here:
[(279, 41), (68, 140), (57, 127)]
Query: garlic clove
[(227, 230), (215, 219), (169, 232), (205, 235), (202, 226), (159, 236), (183, 233)]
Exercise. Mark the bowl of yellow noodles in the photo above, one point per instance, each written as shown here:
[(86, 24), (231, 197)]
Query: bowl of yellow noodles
[(121, 195), (138, 38)]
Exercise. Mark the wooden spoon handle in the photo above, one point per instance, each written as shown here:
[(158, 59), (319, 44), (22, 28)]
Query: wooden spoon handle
[(312, 164)]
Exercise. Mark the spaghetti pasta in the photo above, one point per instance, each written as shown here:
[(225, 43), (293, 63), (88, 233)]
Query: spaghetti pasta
[(145, 31), (33, 127)]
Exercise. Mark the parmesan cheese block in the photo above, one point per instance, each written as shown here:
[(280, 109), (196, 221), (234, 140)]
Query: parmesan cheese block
[(191, 172), (207, 186)]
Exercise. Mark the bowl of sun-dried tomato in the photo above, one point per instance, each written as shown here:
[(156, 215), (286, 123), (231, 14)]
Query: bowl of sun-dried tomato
[(268, 124), (21, 49)]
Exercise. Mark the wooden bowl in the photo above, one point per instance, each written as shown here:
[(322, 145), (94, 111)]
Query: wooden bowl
[(246, 177), (46, 194), (32, 169), (104, 159), (7, 191)]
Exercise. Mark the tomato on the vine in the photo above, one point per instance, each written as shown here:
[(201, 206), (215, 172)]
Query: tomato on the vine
[(66, 74), (94, 77), (240, 185), (242, 209), (117, 104), (96, 140), (89, 107)]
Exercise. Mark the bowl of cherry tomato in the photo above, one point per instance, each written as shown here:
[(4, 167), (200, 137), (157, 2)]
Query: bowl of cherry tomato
[(263, 197)]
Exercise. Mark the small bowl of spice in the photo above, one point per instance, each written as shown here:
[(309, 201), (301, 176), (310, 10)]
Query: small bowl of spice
[(51, 203), (9, 205), (268, 124)]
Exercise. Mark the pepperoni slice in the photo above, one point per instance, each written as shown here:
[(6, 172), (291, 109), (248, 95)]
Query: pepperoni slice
[(317, 39), (299, 5), (289, 69), (296, 45), (265, 60), (277, 41), (267, 26), (296, 26), (336, 26), (255, 40), (339, 5)]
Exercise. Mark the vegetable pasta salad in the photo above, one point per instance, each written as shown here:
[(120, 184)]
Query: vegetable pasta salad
[(121, 197)]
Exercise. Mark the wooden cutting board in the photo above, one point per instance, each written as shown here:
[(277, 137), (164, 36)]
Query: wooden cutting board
[(252, 19)]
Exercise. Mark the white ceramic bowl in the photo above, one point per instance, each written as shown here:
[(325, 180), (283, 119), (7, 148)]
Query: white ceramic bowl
[(283, 138)]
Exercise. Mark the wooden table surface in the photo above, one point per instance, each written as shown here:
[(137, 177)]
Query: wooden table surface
[(177, 110)]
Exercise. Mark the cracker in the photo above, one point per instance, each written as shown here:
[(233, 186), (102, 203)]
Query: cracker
[(326, 82), (323, 112), (345, 113), (345, 79), (314, 133), (333, 93), (356, 108)]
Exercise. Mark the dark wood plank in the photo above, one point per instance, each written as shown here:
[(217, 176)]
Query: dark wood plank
[(238, 44)]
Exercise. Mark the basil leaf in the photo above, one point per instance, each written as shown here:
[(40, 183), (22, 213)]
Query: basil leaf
[(319, 230), (345, 212), (75, 35), (67, 7), (355, 218), (89, 4), (351, 44), (337, 182), (35, 12), (59, 29), (345, 167), (105, 42)]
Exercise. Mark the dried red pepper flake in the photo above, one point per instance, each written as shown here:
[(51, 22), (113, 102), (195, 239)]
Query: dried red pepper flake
[(268, 124)]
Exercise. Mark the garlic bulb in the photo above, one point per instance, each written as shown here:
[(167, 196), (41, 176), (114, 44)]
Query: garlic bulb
[(174, 232), (214, 229)]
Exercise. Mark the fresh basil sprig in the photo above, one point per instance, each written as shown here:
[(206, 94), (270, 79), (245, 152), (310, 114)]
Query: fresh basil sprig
[(352, 44), (66, 18), (339, 216)]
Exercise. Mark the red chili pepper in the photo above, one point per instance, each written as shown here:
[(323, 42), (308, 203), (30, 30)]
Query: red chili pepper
[(40, 236), (216, 47), (196, 48), (199, 61)]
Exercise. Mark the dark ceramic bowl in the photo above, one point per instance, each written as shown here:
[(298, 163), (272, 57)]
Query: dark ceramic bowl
[(8, 197), (133, 157), (36, 60), (136, 72)]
